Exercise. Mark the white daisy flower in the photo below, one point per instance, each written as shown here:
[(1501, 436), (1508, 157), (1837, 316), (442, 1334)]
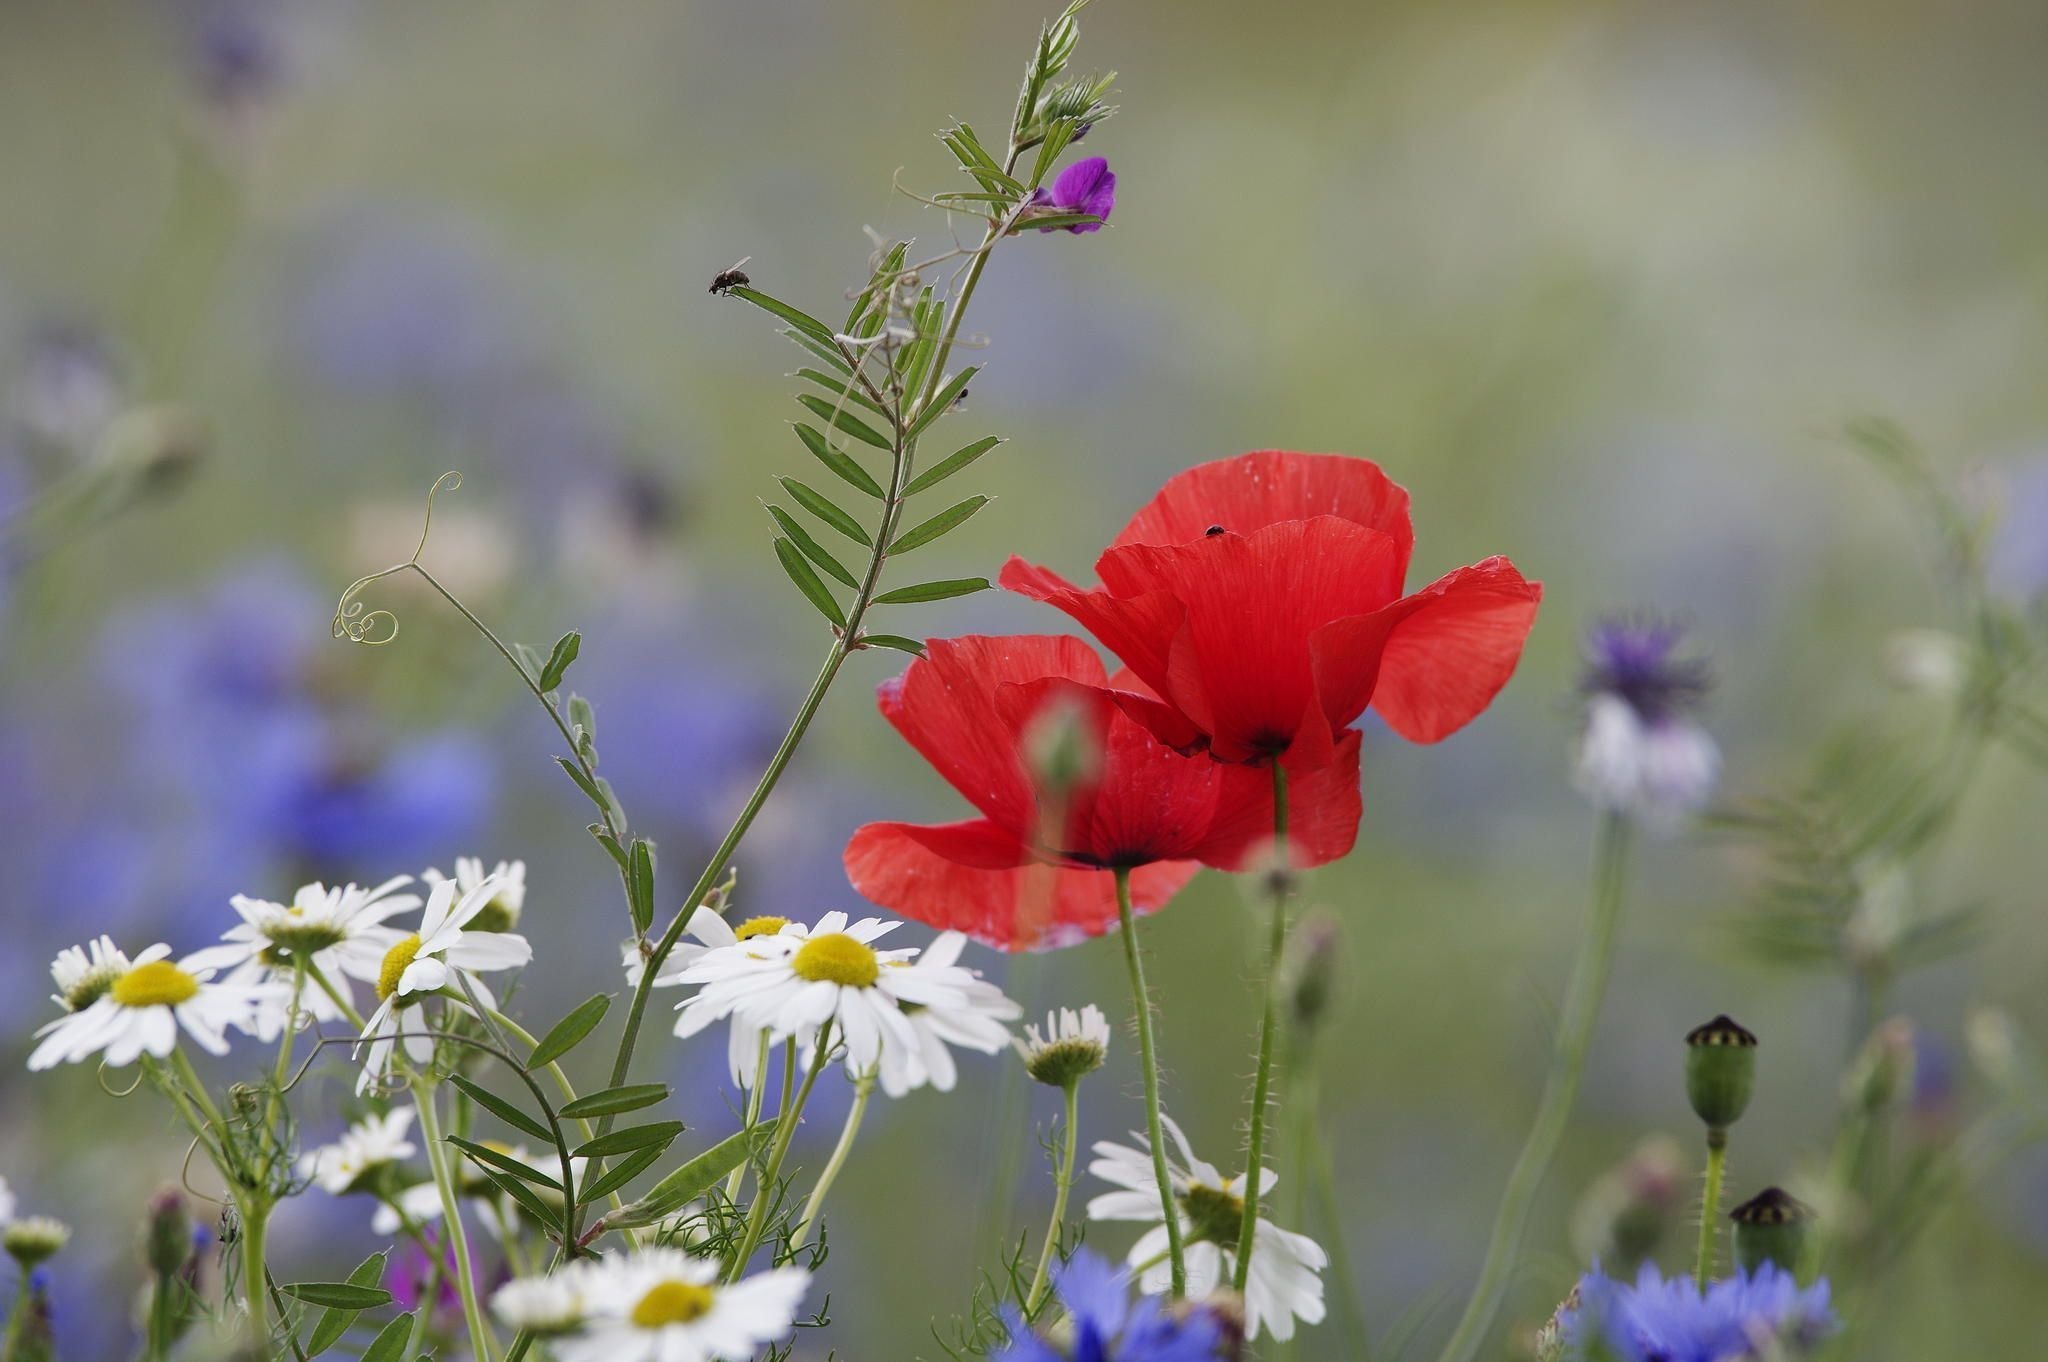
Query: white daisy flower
[(663, 1305), (790, 986), (367, 1145), (144, 1007), (420, 1204), (83, 974), (542, 1306), (7, 1202), (1072, 1046), (743, 1044), (979, 1023), (501, 911), (441, 953), (1283, 1285), (339, 931)]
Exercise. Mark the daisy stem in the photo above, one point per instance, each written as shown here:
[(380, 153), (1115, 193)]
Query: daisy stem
[(196, 1090), (256, 1271), (863, 1088), (1062, 1183), (1710, 1206), (733, 1180), (1149, 1059), (348, 1009), (1269, 1023), (785, 1131), (451, 1216), (1560, 1090)]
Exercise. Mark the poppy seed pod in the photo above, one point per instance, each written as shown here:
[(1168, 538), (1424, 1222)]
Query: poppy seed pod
[(1720, 1072), (1770, 1227)]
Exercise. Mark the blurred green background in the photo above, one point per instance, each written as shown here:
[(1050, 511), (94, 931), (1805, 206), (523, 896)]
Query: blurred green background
[(1599, 282)]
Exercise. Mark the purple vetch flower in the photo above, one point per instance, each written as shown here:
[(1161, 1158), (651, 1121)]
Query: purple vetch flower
[(1087, 186), (1641, 753)]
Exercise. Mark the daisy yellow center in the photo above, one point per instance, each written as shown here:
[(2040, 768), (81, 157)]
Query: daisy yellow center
[(836, 958), (672, 1302), (759, 926), (1216, 1212), (395, 961), (156, 984)]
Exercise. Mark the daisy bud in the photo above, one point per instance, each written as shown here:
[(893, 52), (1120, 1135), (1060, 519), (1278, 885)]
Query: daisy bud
[(1720, 1072), (1072, 1046), (35, 1240), (1927, 662), (1770, 1227), (167, 1238)]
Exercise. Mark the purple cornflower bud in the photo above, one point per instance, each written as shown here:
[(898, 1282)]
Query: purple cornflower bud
[(1086, 186), (1641, 753)]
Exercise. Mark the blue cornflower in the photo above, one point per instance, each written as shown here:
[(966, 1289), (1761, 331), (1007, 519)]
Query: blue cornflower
[(1641, 753), (1107, 1326), (1765, 1314)]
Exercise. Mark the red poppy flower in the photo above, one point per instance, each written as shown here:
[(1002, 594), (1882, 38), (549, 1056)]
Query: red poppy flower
[(1033, 870), (1261, 598)]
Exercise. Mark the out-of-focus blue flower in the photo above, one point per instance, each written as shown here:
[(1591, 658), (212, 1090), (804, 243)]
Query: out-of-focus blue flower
[(237, 60), (1641, 753), (1106, 1326), (1765, 1314), (67, 388), (1086, 186), (274, 776)]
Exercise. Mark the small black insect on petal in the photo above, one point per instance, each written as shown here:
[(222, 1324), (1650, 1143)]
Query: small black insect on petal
[(1213, 531)]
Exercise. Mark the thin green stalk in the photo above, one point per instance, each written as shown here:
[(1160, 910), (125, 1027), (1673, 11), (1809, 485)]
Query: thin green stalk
[(451, 1214), (1710, 1208), (785, 1130), (1560, 1090), (1062, 1183), (738, 1175), (256, 1271), (1148, 1057), (863, 1089), (14, 1319), (1269, 1024)]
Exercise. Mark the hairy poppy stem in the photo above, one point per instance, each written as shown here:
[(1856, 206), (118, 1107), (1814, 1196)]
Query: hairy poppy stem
[(1710, 1208), (1262, 1084), (1560, 1090), (1149, 1057)]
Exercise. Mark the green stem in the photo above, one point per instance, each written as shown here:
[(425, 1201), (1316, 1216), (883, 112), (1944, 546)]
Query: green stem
[(863, 1089), (451, 1215), (785, 1130), (738, 1175), (256, 1272), (1063, 1183), (1269, 1023), (22, 1304), (1560, 1090), (1148, 1057), (1710, 1207)]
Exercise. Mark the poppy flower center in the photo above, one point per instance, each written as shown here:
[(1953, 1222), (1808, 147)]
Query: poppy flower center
[(1216, 1213), (396, 961), (759, 926), (156, 984), (672, 1302), (837, 958)]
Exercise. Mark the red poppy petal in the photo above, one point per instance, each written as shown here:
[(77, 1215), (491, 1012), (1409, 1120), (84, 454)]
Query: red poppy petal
[(901, 867), (1254, 490), (1323, 809), (1138, 630), (945, 705), (1454, 648), (1240, 666)]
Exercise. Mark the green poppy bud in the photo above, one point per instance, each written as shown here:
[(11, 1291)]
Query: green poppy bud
[(1720, 1072), (1770, 1227)]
